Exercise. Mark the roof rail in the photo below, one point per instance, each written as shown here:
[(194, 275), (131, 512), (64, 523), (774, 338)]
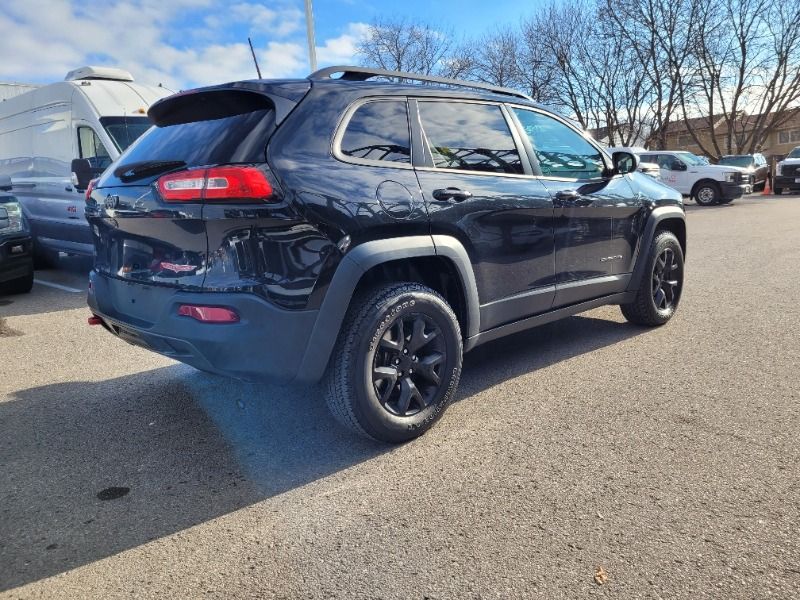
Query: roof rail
[(363, 73)]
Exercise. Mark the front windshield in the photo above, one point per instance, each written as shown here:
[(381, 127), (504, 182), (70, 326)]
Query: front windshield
[(691, 159), (125, 130), (736, 161), (794, 153)]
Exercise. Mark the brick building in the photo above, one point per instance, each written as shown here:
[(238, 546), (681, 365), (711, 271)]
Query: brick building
[(777, 144)]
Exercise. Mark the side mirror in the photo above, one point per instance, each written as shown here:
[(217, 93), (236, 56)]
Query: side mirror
[(5, 222), (678, 165), (5, 183), (625, 162), (81, 173)]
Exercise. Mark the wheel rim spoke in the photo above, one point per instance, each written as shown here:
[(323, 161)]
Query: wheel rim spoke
[(408, 393), (428, 365), (419, 338), (387, 375), (397, 344), (661, 299)]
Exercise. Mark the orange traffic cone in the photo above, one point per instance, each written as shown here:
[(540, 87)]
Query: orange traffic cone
[(766, 191)]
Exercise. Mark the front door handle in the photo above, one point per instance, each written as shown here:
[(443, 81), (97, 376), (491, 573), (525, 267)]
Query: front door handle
[(572, 198), (451, 193), (567, 195)]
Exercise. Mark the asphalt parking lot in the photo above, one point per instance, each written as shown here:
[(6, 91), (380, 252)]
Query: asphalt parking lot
[(667, 457)]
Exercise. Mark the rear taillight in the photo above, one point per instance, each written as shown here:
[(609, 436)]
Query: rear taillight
[(90, 189), (215, 184), (208, 314)]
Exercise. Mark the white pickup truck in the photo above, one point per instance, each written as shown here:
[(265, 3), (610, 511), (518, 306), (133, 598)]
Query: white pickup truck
[(787, 173), (692, 176)]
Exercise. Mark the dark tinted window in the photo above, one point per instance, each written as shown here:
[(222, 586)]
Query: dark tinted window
[(472, 137), (560, 150), (737, 161), (236, 139), (378, 131), (125, 130)]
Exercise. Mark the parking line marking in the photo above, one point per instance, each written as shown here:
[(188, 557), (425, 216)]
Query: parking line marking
[(58, 286)]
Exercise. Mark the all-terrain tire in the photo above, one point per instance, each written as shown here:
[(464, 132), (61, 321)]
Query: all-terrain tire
[(380, 325), (651, 308)]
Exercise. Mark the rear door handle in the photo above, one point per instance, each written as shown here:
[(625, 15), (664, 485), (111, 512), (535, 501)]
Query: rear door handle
[(451, 193)]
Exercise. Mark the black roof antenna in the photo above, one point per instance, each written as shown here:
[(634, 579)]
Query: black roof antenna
[(253, 52)]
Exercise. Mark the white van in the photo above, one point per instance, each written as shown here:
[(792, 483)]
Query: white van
[(47, 135)]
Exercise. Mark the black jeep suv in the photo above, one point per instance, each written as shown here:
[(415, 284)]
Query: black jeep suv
[(369, 233)]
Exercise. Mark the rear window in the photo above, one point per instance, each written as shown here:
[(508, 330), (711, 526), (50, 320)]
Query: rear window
[(240, 138), (378, 130)]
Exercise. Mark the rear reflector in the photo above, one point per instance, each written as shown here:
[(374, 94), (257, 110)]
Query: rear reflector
[(95, 320), (216, 183), (208, 314)]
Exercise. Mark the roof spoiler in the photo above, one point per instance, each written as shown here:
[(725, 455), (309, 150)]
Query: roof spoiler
[(227, 100)]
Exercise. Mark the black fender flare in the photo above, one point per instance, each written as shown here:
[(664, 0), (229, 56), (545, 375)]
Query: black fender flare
[(657, 216), (354, 265)]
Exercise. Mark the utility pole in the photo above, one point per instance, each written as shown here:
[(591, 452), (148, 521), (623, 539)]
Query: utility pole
[(312, 46)]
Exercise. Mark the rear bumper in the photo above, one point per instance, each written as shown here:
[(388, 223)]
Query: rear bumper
[(267, 344), (786, 182), (16, 258)]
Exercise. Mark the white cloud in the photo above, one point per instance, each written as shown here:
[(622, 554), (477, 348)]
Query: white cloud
[(342, 50), (180, 43), (267, 21)]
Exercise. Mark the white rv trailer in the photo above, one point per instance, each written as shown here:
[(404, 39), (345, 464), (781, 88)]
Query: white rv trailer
[(94, 114)]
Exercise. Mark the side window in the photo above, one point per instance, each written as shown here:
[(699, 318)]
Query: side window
[(378, 130), (91, 148), (670, 161), (662, 160), (560, 150), (469, 137)]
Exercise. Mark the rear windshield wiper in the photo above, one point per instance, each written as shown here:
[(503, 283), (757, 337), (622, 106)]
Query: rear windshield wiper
[(138, 170)]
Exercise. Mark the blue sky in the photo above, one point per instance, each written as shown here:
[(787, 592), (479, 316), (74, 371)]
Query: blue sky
[(185, 43)]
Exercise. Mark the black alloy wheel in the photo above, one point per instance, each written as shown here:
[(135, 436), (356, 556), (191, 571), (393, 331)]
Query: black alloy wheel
[(397, 362), (660, 283), (407, 363), (665, 283)]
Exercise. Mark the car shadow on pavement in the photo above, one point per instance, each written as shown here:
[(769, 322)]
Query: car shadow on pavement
[(188, 446), (537, 348), (91, 469), (40, 300), (72, 273)]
